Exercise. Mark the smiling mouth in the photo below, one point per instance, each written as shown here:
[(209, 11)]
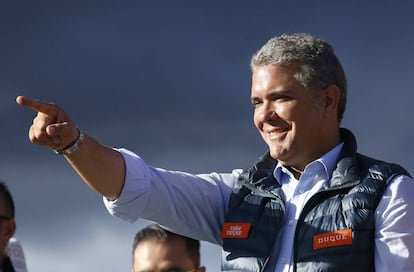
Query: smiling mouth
[(277, 135)]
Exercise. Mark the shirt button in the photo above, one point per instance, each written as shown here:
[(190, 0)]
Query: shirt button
[(301, 190), (291, 222)]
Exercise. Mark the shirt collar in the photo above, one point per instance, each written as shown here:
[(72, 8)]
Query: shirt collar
[(327, 161)]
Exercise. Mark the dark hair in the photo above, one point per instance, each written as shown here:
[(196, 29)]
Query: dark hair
[(7, 200), (155, 232)]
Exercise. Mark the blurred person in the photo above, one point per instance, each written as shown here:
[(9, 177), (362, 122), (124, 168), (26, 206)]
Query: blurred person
[(13, 258), (311, 203), (156, 249)]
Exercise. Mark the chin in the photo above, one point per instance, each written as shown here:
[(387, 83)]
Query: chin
[(278, 154), (275, 155)]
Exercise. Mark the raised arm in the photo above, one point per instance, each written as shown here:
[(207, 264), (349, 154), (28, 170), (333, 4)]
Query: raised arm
[(101, 167)]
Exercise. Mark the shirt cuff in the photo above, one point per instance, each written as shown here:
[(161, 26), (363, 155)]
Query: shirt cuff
[(132, 199)]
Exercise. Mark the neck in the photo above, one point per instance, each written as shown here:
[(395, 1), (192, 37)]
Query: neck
[(296, 172)]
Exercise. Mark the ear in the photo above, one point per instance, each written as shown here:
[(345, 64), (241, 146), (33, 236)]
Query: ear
[(9, 229), (330, 99)]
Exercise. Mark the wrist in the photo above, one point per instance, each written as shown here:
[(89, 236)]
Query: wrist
[(73, 147)]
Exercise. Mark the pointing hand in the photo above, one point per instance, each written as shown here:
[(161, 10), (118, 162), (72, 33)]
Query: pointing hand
[(51, 127)]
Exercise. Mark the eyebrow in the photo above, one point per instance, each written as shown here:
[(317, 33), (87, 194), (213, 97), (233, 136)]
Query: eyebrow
[(272, 93)]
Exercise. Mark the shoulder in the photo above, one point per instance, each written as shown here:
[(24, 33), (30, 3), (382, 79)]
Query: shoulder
[(369, 166)]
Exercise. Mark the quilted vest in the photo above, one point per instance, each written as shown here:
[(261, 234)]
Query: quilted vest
[(335, 231)]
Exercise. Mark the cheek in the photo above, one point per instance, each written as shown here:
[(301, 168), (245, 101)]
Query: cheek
[(256, 120), (284, 111)]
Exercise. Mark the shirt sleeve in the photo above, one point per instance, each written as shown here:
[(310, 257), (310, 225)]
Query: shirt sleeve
[(394, 235), (189, 204)]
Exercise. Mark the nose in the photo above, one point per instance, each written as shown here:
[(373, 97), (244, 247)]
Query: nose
[(266, 112)]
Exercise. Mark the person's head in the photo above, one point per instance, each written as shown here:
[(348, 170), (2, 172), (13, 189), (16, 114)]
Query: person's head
[(299, 92), (156, 249), (7, 223)]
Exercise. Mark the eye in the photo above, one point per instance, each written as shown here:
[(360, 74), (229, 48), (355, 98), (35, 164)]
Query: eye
[(281, 98), (255, 102)]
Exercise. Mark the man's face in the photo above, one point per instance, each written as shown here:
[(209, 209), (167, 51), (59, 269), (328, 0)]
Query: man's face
[(7, 228), (288, 118), (153, 256)]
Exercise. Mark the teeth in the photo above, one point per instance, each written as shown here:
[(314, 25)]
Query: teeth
[(273, 135)]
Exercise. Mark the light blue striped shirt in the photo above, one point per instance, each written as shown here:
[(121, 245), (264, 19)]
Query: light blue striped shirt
[(297, 193)]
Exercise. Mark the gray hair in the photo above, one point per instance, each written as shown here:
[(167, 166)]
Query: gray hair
[(316, 63)]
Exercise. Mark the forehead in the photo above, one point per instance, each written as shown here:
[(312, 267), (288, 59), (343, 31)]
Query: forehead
[(159, 256), (275, 71), (273, 77)]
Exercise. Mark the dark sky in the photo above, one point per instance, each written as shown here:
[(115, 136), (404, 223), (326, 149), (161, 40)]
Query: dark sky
[(170, 80)]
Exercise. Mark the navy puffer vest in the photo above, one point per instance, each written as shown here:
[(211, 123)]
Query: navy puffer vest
[(335, 231)]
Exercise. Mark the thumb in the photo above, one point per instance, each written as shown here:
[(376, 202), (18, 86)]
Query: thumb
[(63, 134)]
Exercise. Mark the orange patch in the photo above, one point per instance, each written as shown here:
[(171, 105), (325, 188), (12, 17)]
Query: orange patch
[(235, 230), (331, 239)]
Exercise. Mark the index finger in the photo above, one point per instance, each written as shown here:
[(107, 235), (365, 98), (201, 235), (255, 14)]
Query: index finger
[(37, 105)]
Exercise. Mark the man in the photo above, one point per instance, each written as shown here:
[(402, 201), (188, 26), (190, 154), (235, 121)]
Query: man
[(156, 249), (7, 229), (311, 203)]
